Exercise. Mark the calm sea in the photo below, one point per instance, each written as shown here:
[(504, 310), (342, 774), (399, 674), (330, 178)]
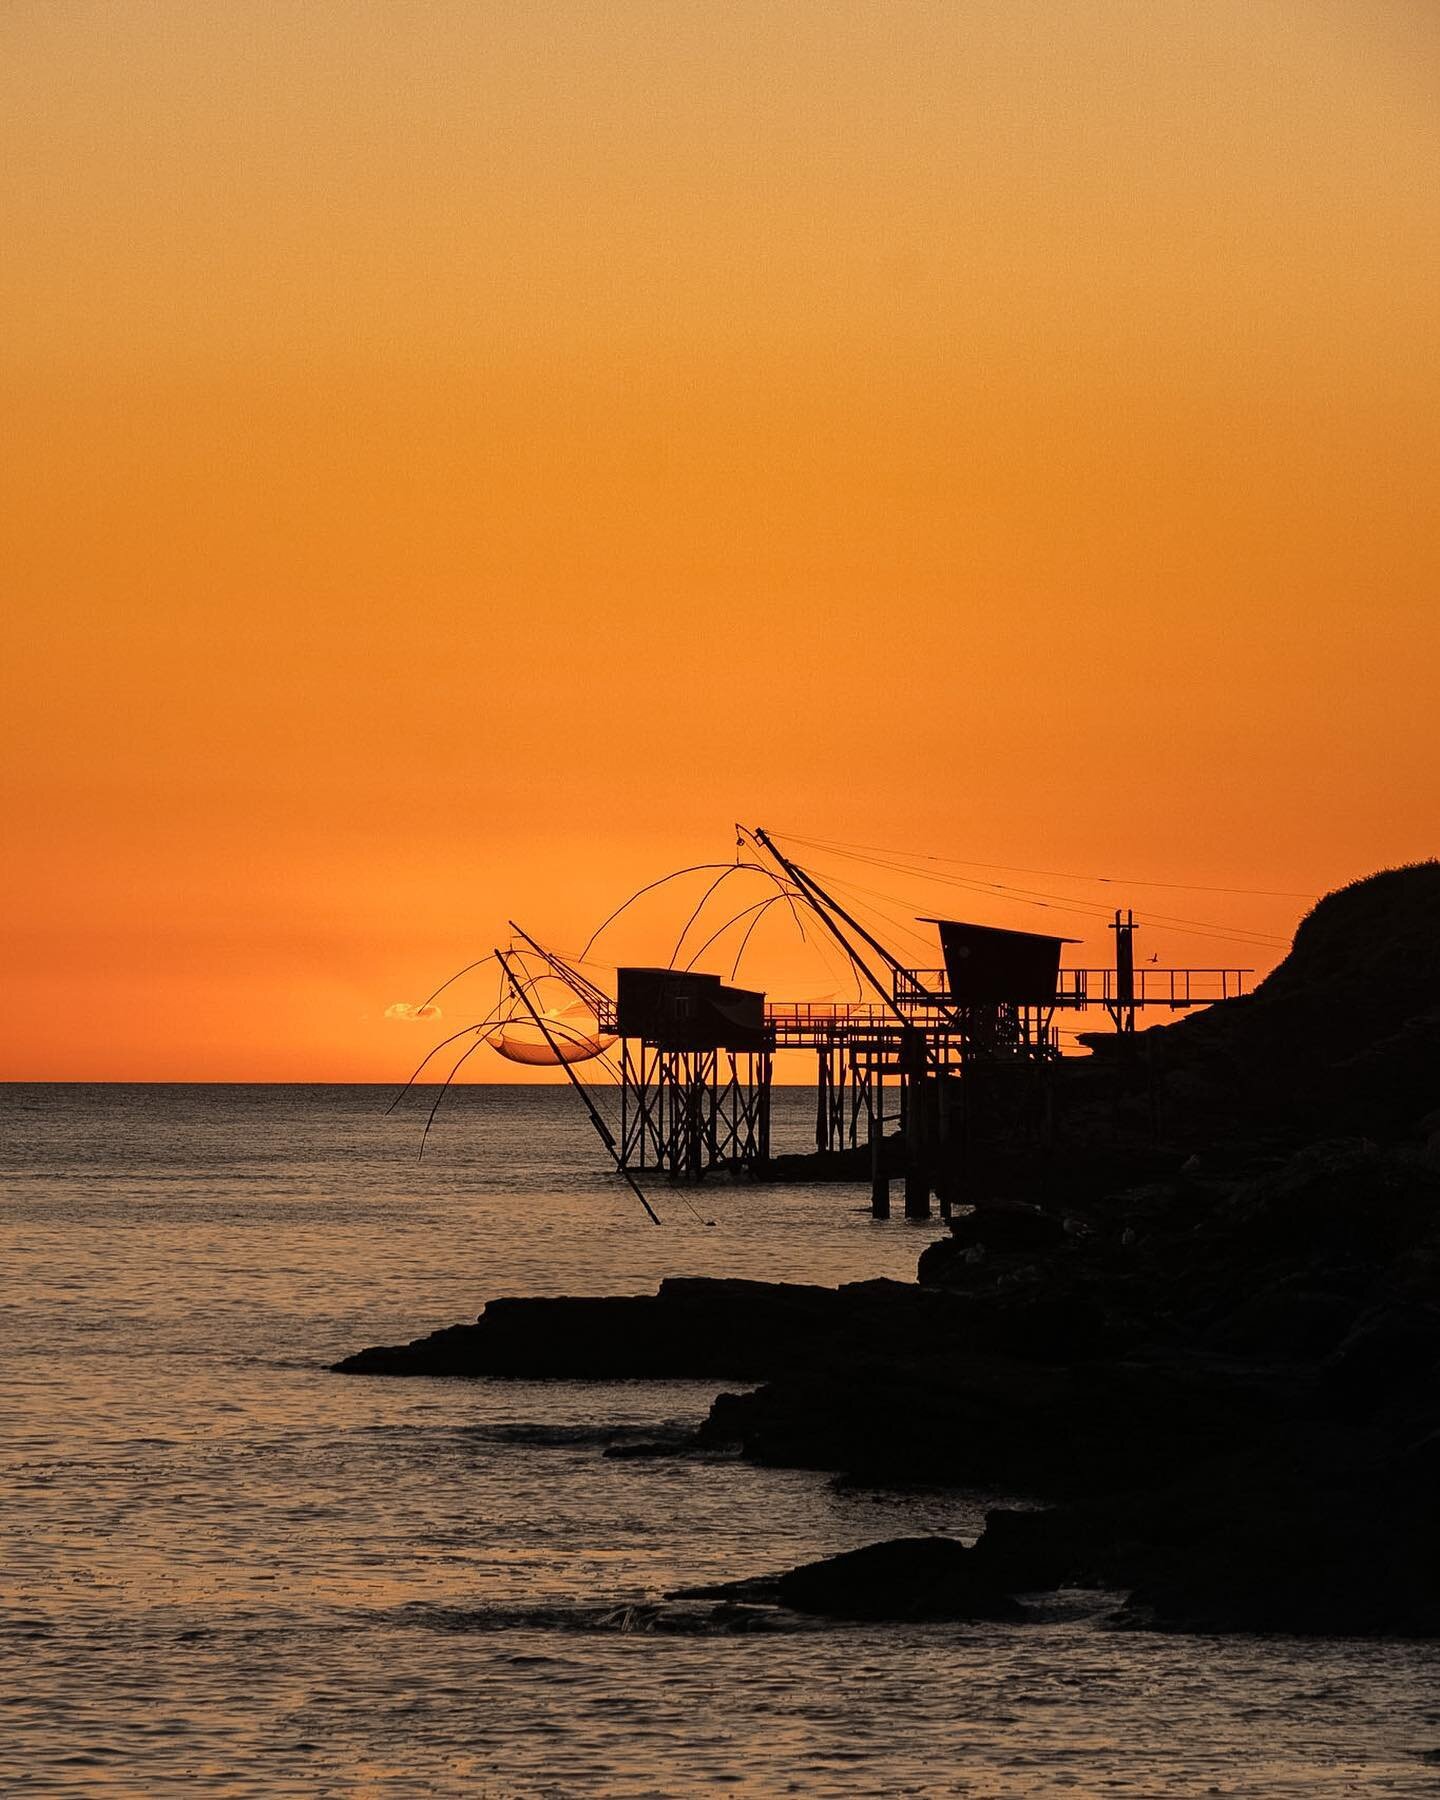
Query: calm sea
[(226, 1571)]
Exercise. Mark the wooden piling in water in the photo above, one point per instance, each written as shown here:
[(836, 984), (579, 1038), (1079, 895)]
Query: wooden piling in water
[(879, 1174)]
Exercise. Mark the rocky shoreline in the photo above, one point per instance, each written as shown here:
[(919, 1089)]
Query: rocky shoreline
[(1210, 1353)]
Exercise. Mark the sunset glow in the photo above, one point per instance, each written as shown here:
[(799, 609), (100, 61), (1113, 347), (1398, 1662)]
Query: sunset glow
[(460, 459)]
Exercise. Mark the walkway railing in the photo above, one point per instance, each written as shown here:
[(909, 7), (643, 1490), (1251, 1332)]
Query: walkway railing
[(922, 995)]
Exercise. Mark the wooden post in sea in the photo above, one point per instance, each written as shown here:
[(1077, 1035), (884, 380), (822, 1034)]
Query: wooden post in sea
[(764, 1137), (879, 1174), (917, 1133), (944, 1172)]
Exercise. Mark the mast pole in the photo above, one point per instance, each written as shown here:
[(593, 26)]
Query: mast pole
[(584, 988), (823, 905), (607, 1137)]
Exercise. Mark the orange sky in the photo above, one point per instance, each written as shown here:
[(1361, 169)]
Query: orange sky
[(460, 457)]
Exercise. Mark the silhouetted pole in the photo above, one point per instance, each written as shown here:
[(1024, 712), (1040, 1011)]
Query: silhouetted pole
[(1124, 930), (917, 1134), (584, 988), (822, 906), (607, 1137), (879, 1174), (944, 1173)]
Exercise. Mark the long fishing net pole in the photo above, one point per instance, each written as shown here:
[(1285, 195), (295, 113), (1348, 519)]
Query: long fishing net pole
[(607, 1137), (823, 905), (584, 988)]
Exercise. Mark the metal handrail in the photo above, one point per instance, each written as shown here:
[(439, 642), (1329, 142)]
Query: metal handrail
[(1152, 986)]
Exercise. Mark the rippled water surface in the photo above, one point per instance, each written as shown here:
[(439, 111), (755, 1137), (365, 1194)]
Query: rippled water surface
[(226, 1571)]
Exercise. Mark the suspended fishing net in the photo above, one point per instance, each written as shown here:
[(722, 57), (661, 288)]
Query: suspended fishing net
[(572, 1037)]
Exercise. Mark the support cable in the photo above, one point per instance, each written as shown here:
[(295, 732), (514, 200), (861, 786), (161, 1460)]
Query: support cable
[(1186, 887), (1073, 903)]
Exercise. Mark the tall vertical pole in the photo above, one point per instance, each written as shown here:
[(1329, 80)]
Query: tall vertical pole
[(1124, 930), (625, 1101), (765, 1074), (917, 1134), (945, 1178), (879, 1175)]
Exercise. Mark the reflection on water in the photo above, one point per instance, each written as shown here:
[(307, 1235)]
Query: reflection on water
[(227, 1571)]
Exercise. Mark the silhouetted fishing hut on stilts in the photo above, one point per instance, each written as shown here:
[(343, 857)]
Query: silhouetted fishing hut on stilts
[(945, 1065), (696, 1065), (965, 1049)]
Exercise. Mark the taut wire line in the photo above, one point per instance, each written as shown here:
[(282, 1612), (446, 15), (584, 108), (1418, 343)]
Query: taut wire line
[(1072, 903), (1186, 887)]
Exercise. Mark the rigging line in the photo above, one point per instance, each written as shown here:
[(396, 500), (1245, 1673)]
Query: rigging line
[(605, 1063), (742, 833), (550, 973), (660, 881), (828, 910), (1207, 928), (894, 899), (531, 982), (879, 911), (464, 1031), (444, 1090), (700, 905), (486, 1027), (477, 964), (1187, 887), (585, 962), (843, 970), (1084, 908), (720, 930), (579, 983), (760, 914), (756, 906), (1071, 902), (575, 1036), (603, 1131), (1081, 908), (1062, 903), (547, 1024)]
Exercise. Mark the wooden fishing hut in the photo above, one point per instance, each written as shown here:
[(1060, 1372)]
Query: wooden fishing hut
[(981, 1074), (696, 1060)]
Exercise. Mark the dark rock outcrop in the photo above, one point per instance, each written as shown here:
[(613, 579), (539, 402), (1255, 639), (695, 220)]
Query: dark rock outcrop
[(1342, 1036), (740, 1330), (901, 1579), (1205, 1329)]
